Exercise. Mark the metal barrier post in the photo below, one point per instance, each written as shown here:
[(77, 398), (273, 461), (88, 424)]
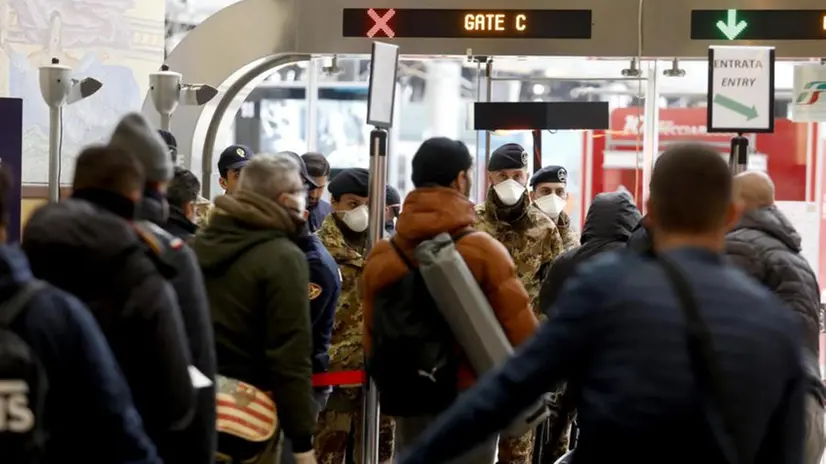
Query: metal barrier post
[(378, 177), (738, 158)]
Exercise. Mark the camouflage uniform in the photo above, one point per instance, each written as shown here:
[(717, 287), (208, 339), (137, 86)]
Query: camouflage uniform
[(570, 238), (203, 211), (344, 408), (533, 241)]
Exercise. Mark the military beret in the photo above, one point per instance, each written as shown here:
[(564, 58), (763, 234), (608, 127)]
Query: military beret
[(550, 174), (508, 156), (351, 180), (392, 196)]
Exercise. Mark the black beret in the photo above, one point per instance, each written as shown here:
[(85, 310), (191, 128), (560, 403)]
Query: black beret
[(351, 180), (392, 196), (508, 156), (550, 174)]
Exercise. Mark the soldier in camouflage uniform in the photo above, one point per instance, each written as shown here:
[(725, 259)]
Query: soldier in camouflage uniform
[(344, 233), (550, 194), (532, 239)]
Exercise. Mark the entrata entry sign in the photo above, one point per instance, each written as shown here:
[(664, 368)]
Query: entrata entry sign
[(741, 89), (466, 24)]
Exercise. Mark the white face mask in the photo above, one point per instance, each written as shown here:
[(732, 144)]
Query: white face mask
[(300, 202), (356, 219), (551, 205), (509, 192)]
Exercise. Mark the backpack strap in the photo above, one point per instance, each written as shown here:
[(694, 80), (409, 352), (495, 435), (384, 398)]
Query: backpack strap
[(704, 363), (401, 254), (12, 307), (456, 237)]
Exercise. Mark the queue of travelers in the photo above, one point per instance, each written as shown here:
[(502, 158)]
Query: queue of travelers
[(200, 333)]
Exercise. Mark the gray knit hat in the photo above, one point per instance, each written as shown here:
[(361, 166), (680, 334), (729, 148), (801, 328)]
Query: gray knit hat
[(135, 135)]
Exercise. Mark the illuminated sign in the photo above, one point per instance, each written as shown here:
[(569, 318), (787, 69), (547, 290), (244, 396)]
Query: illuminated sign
[(758, 24), (466, 24)]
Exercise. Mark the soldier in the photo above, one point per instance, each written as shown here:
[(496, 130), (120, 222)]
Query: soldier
[(392, 209), (550, 194), (530, 236), (344, 233)]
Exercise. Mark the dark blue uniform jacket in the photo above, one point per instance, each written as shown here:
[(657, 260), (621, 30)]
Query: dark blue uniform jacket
[(317, 214), (619, 338), (325, 286), (89, 413)]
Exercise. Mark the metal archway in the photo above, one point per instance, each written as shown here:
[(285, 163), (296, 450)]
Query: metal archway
[(224, 53)]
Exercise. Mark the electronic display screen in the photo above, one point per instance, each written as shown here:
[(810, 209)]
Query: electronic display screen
[(758, 24), (466, 24)]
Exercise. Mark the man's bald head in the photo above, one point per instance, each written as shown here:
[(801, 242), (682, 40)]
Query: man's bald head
[(754, 189)]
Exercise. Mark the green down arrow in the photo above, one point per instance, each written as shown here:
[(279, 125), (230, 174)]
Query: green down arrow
[(734, 105), (731, 28)]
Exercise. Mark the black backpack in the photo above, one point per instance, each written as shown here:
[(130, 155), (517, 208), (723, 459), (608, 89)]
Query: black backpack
[(414, 359), (22, 386)]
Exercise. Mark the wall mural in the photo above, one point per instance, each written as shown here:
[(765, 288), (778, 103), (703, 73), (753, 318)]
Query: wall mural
[(118, 42)]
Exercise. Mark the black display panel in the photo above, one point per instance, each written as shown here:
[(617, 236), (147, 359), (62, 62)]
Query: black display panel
[(466, 24), (758, 24), (541, 115)]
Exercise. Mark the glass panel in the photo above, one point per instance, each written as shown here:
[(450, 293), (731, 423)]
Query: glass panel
[(784, 154), (580, 152)]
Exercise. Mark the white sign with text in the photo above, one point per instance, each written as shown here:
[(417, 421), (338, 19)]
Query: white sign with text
[(741, 89)]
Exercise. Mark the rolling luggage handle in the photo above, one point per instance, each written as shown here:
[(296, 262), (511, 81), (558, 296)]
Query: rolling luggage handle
[(704, 365)]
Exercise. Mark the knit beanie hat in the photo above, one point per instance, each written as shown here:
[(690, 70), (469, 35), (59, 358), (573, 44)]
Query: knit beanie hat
[(438, 161), (135, 135)]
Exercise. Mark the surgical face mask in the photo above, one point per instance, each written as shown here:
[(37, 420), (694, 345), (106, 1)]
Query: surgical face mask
[(356, 219), (551, 205), (509, 192), (300, 200)]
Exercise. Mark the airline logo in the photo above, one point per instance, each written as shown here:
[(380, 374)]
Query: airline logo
[(811, 93)]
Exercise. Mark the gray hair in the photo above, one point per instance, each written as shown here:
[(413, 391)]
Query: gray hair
[(270, 175)]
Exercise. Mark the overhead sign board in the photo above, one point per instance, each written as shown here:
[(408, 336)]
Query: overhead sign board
[(464, 24), (809, 98), (733, 24), (740, 89)]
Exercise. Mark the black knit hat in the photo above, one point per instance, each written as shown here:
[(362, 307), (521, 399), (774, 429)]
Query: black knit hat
[(438, 161)]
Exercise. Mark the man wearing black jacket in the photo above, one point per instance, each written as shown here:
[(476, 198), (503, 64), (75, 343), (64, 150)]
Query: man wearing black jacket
[(89, 246), (196, 444), (182, 196), (609, 225)]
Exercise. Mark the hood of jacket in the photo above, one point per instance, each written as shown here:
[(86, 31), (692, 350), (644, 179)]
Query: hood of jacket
[(14, 270), (612, 216), (239, 223), (430, 211), (77, 229), (773, 222)]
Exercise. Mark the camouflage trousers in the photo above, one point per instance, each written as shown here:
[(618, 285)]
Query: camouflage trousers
[(516, 450), (342, 417)]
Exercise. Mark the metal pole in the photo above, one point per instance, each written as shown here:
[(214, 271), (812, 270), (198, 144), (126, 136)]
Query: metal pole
[(55, 131), (378, 182), (738, 158), (651, 132), (488, 98), (166, 121), (312, 104), (537, 149)]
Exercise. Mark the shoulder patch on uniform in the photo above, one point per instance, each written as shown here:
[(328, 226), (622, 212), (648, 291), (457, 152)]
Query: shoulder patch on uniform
[(148, 237), (176, 243), (314, 290)]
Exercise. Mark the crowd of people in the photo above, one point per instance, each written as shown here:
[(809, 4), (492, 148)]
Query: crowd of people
[(141, 324)]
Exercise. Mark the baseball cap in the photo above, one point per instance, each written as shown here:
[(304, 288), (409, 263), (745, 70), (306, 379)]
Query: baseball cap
[(305, 176), (234, 157)]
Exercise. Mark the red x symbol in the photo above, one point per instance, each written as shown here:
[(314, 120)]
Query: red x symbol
[(380, 23)]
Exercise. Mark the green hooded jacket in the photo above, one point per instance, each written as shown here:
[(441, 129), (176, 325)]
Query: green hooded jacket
[(256, 279)]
